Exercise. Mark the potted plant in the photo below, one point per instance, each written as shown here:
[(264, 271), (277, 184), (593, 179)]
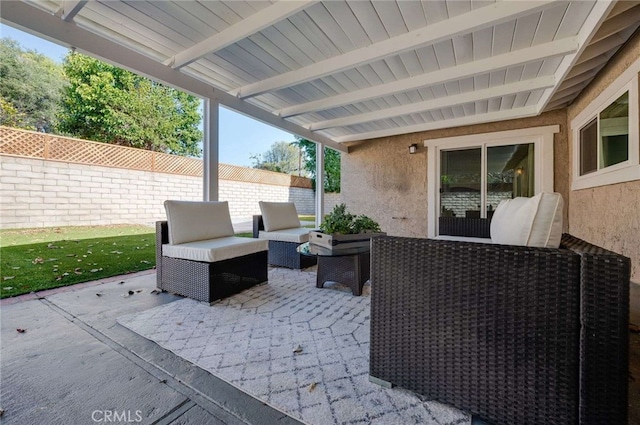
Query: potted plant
[(341, 229)]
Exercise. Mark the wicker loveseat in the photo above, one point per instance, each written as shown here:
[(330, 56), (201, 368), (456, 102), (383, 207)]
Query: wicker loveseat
[(197, 255), (512, 334)]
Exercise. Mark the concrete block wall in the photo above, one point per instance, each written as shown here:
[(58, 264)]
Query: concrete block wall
[(43, 193)]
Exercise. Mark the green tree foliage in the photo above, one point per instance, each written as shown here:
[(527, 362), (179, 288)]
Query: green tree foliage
[(30, 86), (331, 164), (283, 157), (109, 104)]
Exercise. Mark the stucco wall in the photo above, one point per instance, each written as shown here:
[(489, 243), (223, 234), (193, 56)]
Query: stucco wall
[(608, 216), (382, 180)]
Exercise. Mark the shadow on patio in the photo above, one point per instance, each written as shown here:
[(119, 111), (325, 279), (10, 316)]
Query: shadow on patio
[(74, 363)]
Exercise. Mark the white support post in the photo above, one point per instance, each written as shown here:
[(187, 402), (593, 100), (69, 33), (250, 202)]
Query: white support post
[(319, 184), (210, 157)]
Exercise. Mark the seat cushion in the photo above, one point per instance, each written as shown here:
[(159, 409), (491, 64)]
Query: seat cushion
[(535, 221), (297, 234), (213, 250), (279, 215), (196, 221)]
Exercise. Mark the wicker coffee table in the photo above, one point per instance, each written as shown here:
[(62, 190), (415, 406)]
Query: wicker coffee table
[(349, 266)]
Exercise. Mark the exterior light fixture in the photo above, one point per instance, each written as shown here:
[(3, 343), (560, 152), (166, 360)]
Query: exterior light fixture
[(413, 149)]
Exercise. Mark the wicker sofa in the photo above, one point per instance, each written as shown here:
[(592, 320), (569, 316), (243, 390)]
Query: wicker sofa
[(198, 257), (512, 334)]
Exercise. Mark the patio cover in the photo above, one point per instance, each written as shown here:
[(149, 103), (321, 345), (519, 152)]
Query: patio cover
[(343, 71)]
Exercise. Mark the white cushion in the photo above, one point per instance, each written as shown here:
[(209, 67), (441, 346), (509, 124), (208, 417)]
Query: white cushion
[(279, 215), (535, 221), (297, 234), (546, 230), (463, 239), (214, 250), (196, 221)]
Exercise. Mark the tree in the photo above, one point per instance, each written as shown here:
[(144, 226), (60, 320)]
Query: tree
[(30, 86), (108, 104), (331, 164), (283, 157)]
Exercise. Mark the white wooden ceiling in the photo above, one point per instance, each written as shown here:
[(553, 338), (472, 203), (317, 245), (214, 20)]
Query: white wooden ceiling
[(354, 70)]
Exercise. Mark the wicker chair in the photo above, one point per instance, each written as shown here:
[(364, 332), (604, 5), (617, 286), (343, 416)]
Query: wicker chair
[(284, 235), (209, 267), (512, 334)]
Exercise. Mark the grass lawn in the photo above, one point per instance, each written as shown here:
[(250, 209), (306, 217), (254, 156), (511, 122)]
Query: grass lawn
[(45, 258)]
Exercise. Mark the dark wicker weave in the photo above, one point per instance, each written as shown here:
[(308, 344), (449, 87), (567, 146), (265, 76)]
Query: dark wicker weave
[(206, 281), (514, 335), (351, 270), (283, 254), (464, 226)]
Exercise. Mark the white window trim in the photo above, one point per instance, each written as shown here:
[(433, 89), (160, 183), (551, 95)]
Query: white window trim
[(541, 137), (628, 170)]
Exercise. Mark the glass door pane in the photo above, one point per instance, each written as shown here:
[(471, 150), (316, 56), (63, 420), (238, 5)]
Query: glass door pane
[(510, 173), (460, 183)]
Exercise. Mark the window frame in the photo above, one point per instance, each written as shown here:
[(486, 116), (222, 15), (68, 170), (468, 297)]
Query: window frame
[(625, 171), (541, 137)]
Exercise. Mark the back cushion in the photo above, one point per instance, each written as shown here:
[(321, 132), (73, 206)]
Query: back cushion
[(535, 221), (279, 215), (197, 221)]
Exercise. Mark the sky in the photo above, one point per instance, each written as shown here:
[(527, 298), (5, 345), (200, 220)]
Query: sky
[(240, 137)]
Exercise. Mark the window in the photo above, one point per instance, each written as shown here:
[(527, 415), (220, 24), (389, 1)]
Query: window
[(470, 175), (605, 135)]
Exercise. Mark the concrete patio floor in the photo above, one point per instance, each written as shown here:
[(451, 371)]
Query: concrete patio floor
[(74, 364)]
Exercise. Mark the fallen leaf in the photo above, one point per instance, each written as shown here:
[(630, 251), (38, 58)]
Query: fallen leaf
[(72, 255), (313, 386), (145, 261), (156, 291), (37, 260), (65, 274), (52, 246), (15, 268), (79, 260), (121, 282), (138, 291), (8, 277), (7, 288), (298, 349), (95, 270), (116, 252), (98, 295), (179, 323), (164, 381), (21, 331)]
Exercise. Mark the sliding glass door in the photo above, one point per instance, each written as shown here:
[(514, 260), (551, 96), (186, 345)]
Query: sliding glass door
[(474, 180)]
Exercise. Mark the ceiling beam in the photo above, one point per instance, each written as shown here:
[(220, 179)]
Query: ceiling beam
[(618, 23), (439, 103), (258, 21), (36, 21), (494, 63), (70, 8), (508, 114), (595, 18), (465, 23)]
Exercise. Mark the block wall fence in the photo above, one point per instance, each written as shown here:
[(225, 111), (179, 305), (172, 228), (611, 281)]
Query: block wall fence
[(40, 192)]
